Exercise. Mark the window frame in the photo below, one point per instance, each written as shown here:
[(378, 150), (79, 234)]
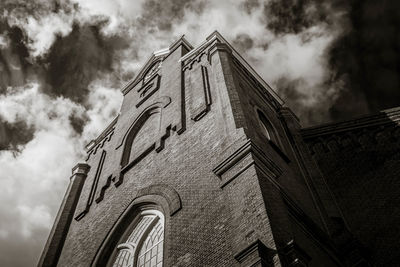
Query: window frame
[(270, 132), (143, 211)]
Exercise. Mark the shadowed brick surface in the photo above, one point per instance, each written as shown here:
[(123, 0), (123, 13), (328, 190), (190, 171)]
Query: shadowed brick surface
[(361, 162)]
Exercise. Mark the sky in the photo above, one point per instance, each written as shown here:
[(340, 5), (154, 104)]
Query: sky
[(63, 62)]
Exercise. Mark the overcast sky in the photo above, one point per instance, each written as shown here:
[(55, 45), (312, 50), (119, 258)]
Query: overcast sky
[(62, 64)]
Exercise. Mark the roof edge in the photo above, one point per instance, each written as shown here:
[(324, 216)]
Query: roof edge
[(387, 116), (215, 35), (103, 134), (156, 54)]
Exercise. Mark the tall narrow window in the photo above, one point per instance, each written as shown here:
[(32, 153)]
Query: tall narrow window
[(271, 134), (267, 127), (142, 245)]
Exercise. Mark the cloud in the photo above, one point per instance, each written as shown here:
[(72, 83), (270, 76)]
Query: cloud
[(77, 59), (34, 179), (360, 61), (365, 56)]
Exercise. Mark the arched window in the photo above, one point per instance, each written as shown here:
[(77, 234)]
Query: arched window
[(142, 244), (267, 127), (271, 134)]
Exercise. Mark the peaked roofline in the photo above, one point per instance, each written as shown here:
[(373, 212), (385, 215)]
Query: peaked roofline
[(212, 37), (217, 36), (155, 55)]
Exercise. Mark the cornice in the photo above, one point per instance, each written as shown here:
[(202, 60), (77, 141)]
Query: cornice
[(389, 116), (246, 155)]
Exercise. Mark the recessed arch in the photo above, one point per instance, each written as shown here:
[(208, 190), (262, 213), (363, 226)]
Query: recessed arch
[(134, 130), (159, 103)]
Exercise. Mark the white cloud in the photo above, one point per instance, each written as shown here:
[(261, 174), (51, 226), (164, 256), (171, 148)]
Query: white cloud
[(43, 31), (120, 13), (3, 41), (104, 103), (292, 58), (34, 180)]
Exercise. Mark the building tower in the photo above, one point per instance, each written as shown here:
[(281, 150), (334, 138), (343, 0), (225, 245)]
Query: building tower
[(204, 166)]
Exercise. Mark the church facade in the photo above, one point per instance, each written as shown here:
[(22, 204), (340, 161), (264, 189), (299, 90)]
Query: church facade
[(206, 166)]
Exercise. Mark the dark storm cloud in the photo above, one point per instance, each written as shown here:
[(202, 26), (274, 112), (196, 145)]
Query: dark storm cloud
[(368, 56), (288, 90), (71, 64), (365, 57), (78, 121), (15, 62), (77, 59), (14, 134), (243, 42), (292, 16), (14, 57), (162, 14), (250, 5), (15, 68)]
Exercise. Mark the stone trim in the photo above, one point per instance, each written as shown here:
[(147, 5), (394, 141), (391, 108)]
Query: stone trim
[(80, 168)]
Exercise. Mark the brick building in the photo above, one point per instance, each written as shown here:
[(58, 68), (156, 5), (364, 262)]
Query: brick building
[(206, 166)]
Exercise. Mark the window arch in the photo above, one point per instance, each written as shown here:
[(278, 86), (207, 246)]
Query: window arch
[(150, 119), (268, 129), (142, 244)]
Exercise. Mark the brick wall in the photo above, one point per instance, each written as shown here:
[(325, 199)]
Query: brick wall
[(360, 160)]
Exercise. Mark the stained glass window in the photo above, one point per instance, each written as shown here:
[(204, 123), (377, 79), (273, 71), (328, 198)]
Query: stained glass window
[(144, 245)]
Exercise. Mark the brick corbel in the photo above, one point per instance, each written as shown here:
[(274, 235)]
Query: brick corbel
[(244, 157), (255, 254)]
